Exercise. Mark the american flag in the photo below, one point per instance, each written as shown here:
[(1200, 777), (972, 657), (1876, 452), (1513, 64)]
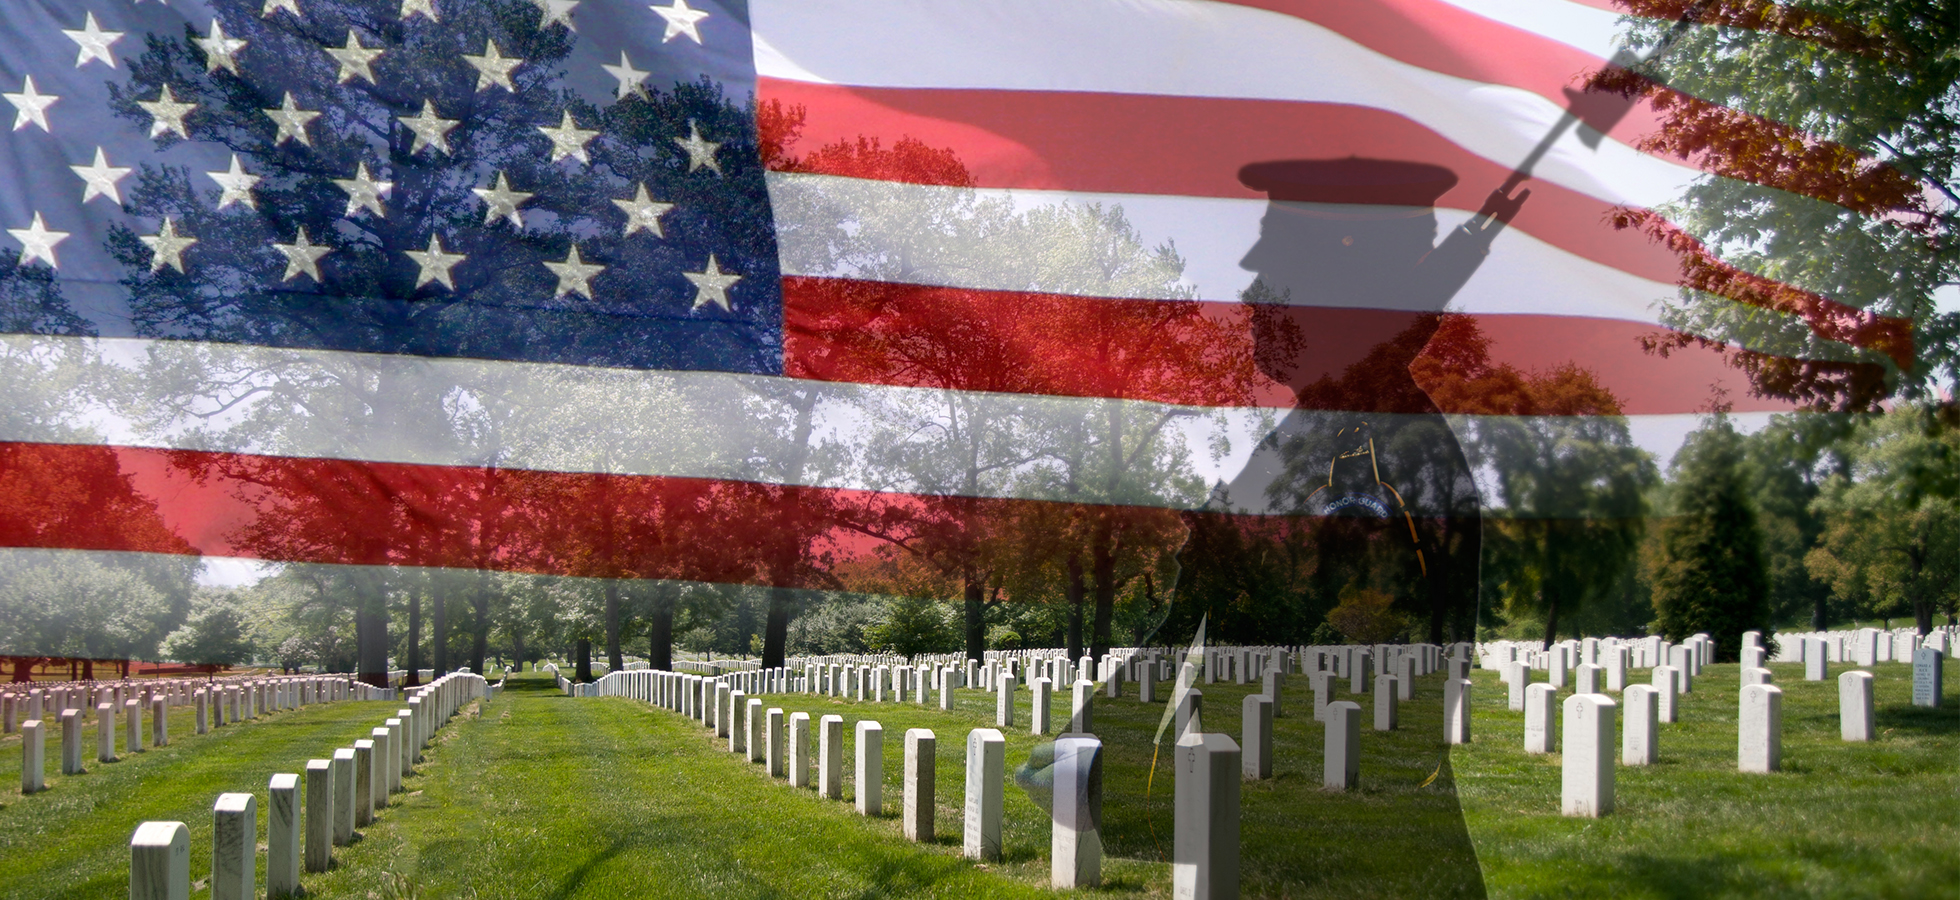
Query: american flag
[(739, 293)]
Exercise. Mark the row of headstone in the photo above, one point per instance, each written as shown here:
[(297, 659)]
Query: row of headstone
[(1206, 800), (217, 704), (32, 700), (307, 817)]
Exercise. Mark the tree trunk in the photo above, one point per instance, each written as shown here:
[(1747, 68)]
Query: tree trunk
[(660, 631), (480, 629), (23, 669), (371, 629), (1102, 561), (1551, 623), (975, 597), (439, 624), (1922, 615), (414, 676), (1076, 592), (615, 661), (88, 670), (775, 629), (582, 670)]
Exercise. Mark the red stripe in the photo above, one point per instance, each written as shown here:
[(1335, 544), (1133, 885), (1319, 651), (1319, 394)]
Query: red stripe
[(370, 513), (1203, 354), (1195, 146)]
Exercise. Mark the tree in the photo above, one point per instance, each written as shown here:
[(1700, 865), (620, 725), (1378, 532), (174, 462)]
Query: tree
[(1569, 511), (1833, 127), (1891, 535), (217, 633), (1366, 616), (911, 626), (1711, 576)]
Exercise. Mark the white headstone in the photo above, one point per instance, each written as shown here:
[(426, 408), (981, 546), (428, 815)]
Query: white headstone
[(1341, 753), (1587, 763), (1041, 693), (1815, 666), (986, 768), (363, 783), (282, 836), (1256, 739), (1541, 719), (1664, 692), (1589, 679), (1388, 694), (1640, 745), (33, 756), (234, 847), (920, 745), (1855, 705), (799, 750), (1456, 711), (1759, 737), (1205, 848), (1517, 676), (1928, 666), (160, 862), (1082, 710), (1004, 701), (343, 796), (870, 768), (775, 743), (1075, 848), (319, 814), (830, 757)]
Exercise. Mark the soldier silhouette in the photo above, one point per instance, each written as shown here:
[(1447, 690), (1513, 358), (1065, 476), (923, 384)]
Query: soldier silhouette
[(1351, 285)]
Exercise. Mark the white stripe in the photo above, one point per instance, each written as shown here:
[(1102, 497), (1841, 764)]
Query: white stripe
[(1521, 275), (562, 418), (1576, 25), (1180, 48)]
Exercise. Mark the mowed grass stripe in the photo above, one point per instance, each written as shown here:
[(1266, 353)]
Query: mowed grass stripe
[(545, 796), (72, 840)]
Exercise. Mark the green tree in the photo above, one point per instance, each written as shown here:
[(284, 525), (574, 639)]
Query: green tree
[(1711, 576), (216, 634), (911, 626), (1891, 536), (1834, 124)]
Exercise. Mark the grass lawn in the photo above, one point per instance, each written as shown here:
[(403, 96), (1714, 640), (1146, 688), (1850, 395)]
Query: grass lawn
[(72, 840), (536, 795), (1840, 820)]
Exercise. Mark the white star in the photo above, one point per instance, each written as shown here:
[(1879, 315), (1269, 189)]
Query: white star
[(574, 275), (419, 7), (167, 112), (429, 128), (643, 212), (94, 43), (502, 202), (629, 78), (236, 184), (355, 59), (568, 139), (699, 152), (493, 67), (37, 242), (364, 192), (32, 105), (712, 285), (681, 20), (101, 178), (273, 6), (218, 49), (557, 12), (435, 263), (167, 246), (292, 122), (302, 256)]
